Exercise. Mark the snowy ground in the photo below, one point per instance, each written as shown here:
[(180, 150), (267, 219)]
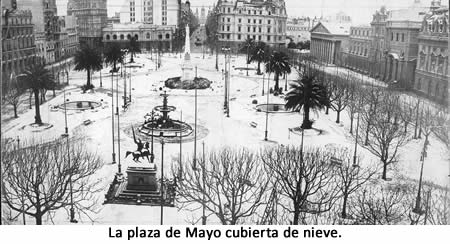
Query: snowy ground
[(234, 131)]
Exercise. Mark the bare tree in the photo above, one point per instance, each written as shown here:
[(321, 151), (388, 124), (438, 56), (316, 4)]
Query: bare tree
[(351, 175), (305, 178), (14, 93), (340, 96), (439, 206), (385, 134), (42, 178), (229, 183), (372, 99), (379, 205)]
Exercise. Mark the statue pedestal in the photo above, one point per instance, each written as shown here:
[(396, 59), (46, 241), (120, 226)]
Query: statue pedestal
[(142, 179), (188, 71)]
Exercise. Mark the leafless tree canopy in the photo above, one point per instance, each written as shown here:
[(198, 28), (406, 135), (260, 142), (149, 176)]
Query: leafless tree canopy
[(305, 178), (37, 177), (381, 121), (380, 205), (351, 175), (229, 182)]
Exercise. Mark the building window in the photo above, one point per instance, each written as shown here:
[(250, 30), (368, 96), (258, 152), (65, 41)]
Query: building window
[(228, 36), (228, 28), (268, 38), (403, 37), (114, 37), (392, 36), (239, 20), (229, 20), (248, 29), (148, 35), (268, 29), (122, 37), (239, 28), (107, 37), (260, 21), (167, 36), (259, 29), (229, 10), (239, 36), (268, 21), (248, 21)]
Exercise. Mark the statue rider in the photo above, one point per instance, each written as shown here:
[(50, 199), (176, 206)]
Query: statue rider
[(139, 143)]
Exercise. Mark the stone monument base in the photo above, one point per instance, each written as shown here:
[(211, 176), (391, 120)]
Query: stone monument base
[(188, 72), (141, 179)]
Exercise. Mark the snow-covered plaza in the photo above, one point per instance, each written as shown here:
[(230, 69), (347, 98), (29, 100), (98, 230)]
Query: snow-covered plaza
[(245, 127)]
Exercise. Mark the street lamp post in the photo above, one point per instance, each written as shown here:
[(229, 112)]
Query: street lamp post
[(356, 140), (248, 46), (264, 75), (162, 177), (66, 130), (152, 157), (267, 109), (417, 209), (112, 117), (195, 122), (119, 166), (181, 148), (203, 182)]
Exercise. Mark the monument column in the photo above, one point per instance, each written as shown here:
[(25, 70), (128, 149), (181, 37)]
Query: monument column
[(333, 44)]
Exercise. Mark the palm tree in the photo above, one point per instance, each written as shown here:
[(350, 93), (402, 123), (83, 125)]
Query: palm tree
[(114, 55), (307, 93), (278, 63), (259, 54), (37, 78), (88, 59), (133, 48), (248, 46)]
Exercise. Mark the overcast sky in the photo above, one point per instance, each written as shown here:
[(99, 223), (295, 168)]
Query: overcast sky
[(360, 10)]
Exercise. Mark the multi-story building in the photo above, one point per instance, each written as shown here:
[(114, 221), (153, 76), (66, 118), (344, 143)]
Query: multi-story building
[(153, 12), (377, 46), (339, 17), (114, 19), (297, 29), (402, 30), (149, 37), (431, 75), (92, 17), (69, 40), (260, 20), (360, 42), (18, 47), (152, 23), (45, 22), (329, 41)]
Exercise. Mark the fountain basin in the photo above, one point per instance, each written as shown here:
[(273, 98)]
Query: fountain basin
[(79, 105), (272, 108), (178, 83)]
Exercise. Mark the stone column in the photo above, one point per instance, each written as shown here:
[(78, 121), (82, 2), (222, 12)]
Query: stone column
[(388, 68), (333, 56)]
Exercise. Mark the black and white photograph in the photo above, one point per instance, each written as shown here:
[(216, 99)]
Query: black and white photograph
[(225, 112)]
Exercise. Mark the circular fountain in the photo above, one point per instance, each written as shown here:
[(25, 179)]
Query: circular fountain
[(161, 125), (79, 105), (272, 108)]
